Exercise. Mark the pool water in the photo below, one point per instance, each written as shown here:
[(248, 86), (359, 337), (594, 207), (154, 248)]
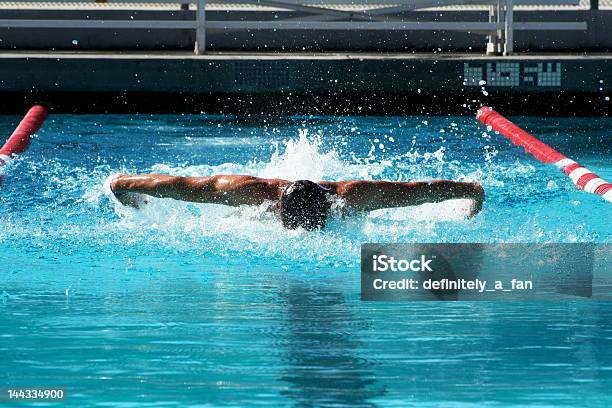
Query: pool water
[(201, 305)]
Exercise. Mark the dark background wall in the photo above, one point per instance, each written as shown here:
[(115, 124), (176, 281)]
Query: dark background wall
[(598, 37)]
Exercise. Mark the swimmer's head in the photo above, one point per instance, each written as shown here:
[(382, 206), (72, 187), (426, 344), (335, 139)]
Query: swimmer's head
[(304, 204)]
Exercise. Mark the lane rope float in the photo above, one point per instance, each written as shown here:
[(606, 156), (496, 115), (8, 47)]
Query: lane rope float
[(582, 177), (19, 141)]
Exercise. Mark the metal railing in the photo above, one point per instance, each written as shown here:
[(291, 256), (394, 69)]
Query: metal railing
[(326, 15)]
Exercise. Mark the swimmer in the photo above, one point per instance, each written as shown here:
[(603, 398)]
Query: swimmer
[(301, 203)]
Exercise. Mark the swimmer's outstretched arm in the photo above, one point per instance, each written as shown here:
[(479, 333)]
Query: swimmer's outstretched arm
[(220, 189), (364, 195)]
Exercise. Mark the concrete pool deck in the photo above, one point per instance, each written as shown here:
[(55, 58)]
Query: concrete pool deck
[(331, 82)]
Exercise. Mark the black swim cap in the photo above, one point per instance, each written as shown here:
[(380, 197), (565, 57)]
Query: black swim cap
[(304, 204)]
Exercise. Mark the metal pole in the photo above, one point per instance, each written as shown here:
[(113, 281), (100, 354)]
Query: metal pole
[(509, 28), (500, 18), (492, 38), (594, 4), (200, 44)]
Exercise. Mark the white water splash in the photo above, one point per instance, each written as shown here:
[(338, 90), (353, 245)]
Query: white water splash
[(301, 158)]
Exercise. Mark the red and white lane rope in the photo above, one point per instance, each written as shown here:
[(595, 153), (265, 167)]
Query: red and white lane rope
[(582, 177), (20, 139)]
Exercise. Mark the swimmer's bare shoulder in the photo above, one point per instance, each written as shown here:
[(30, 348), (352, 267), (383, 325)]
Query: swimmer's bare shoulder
[(219, 189), (368, 195)]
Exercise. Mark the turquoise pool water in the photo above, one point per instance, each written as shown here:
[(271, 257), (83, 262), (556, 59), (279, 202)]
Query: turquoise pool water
[(198, 305)]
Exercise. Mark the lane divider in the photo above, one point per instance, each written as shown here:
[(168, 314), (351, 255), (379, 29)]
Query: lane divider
[(582, 177), (19, 141)]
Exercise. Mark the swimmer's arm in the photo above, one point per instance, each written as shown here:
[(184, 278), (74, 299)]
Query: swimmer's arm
[(232, 190), (364, 195)]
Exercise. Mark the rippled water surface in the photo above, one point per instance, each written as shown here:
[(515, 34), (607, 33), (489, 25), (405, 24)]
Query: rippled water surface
[(201, 305)]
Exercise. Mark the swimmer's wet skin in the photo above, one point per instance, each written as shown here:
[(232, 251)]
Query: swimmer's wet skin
[(302, 203)]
